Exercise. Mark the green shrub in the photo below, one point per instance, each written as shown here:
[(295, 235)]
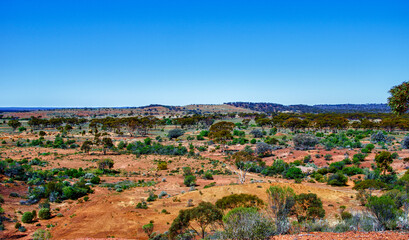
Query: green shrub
[(148, 229), (42, 234), (309, 207), (204, 215), (365, 150), (239, 200), (142, 205), (384, 209), (27, 217), (305, 141), (44, 213), (294, 173), (17, 225), (210, 185), (281, 203), (369, 183), (105, 163), (152, 197), (336, 166), (328, 157), (247, 223), (190, 180), (345, 215), (147, 141), (187, 171), (278, 167), (95, 180), (208, 175), (337, 179), (121, 145), (399, 197), (351, 171), (307, 159), (175, 133), (162, 165)]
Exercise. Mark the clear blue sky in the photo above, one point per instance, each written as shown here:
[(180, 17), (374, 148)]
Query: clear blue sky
[(133, 53)]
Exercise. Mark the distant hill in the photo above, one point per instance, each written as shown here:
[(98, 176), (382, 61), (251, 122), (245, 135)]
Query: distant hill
[(337, 108), (23, 109), (372, 107)]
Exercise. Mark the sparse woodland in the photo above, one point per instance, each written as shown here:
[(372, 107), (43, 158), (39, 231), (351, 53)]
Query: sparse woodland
[(177, 173)]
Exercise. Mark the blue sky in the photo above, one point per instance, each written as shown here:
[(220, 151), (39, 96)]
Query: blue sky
[(133, 53)]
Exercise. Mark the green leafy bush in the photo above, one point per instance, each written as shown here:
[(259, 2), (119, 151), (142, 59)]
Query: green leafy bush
[(337, 179), (351, 171), (190, 180), (142, 205), (175, 133), (239, 200), (369, 183), (336, 166), (95, 180), (208, 175), (44, 213), (294, 173), (384, 209), (27, 217)]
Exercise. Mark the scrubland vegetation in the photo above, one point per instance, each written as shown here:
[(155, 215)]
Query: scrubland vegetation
[(238, 175)]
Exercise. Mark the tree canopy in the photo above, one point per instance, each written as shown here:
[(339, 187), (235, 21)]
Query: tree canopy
[(399, 99)]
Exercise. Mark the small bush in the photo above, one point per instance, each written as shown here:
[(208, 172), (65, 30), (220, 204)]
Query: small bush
[(336, 166), (345, 215), (27, 217), (384, 209), (17, 225), (337, 179), (239, 200), (105, 163), (351, 171), (162, 194), (190, 180), (14, 194), (263, 149), (247, 223), (95, 180), (405, 142), (175, 133), (309, 207), (42, 234), (294, 173), (162, 165), (305, 141), (379, 137), (44, 213), (307, 159), (152, 197), (142, 205), (257, 133), (369, 184)]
